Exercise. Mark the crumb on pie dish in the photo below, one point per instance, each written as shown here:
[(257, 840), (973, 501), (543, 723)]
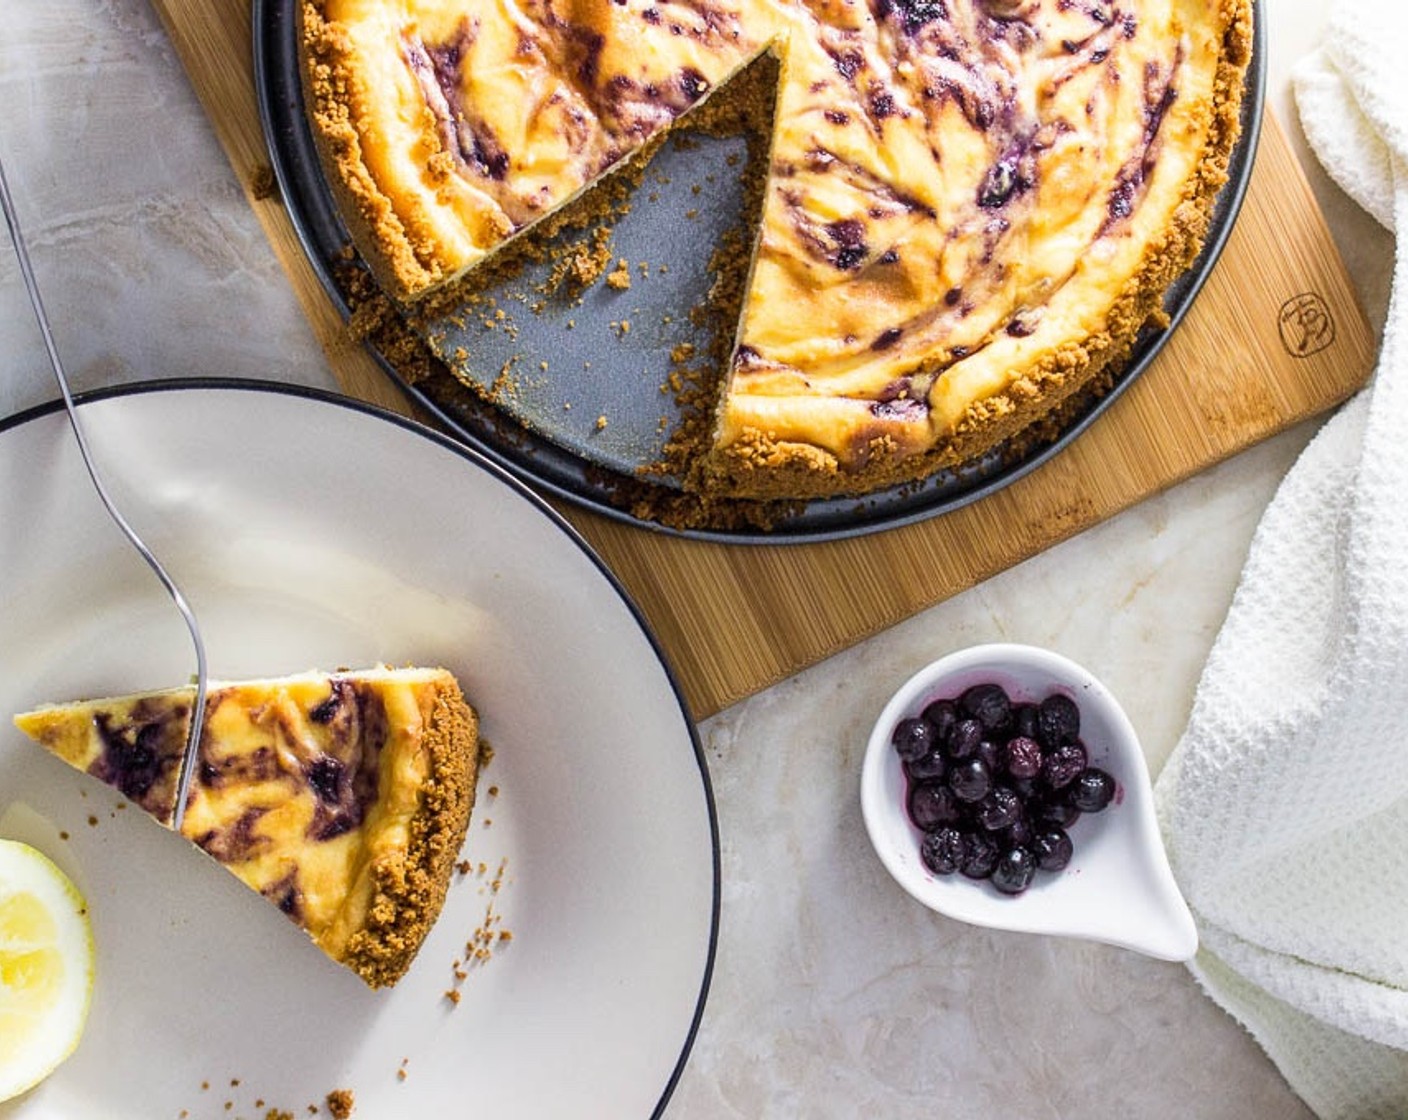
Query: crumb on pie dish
[(971, 208), (342, 798)]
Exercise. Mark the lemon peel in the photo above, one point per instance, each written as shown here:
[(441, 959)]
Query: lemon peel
[(46, 967)]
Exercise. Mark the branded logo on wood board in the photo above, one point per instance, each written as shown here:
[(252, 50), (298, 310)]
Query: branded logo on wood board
[(1306, 325)]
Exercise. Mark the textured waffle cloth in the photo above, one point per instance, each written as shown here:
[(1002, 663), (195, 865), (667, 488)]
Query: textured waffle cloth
[(1285, 804)]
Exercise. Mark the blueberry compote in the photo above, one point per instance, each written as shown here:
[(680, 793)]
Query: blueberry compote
[(994, 783)]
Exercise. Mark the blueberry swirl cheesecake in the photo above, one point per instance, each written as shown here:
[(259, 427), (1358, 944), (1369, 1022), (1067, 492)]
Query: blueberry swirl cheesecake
[(972, 208), (342, 798)]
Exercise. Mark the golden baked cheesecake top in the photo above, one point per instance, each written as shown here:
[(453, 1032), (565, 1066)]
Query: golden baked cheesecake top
[(341, 798), (971, 208)]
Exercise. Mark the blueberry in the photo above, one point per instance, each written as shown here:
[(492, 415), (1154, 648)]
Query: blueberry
[(289, 900), (131, 760), (998, 184), (943, 714), (692, 83), (1014, 870), (1021, 757), (991, 754), (1019, 834), (914, 14), (1000, 809), (989, 705), (942, 850), (325, 776), (932, 805), (964, 739), (1061, 767), (1024, 720), (1092, 790), (970, 780), (135, 765), (980, 854), (929, 767), (341, 693), (1052, 848), (914, 738), (1055, 812), (1058, 721)]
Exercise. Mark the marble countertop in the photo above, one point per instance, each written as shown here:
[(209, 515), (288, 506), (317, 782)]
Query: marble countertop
[(834, 994)]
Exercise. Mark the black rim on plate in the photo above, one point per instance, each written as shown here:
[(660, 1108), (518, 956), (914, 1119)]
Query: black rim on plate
[(560, 472), (475, 460)]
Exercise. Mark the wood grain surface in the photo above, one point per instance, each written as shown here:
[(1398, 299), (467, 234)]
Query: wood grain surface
[(1276, 336)]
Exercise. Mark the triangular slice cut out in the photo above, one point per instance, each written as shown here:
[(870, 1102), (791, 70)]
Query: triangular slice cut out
[(342, 798), (579, 319)]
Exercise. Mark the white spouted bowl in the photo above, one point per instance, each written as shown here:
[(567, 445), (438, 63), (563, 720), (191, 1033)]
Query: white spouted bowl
[(1117, 888)]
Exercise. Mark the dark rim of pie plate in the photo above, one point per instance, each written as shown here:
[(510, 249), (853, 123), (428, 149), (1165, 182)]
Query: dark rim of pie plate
[(557, 471)]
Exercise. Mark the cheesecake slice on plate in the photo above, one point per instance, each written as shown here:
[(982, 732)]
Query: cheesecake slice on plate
[(342, 798)]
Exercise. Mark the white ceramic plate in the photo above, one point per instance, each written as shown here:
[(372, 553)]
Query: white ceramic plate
[(309, 532)]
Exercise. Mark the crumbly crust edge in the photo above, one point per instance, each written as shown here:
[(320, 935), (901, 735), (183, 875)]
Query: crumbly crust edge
[(760, 467), (408, 889), (333, 90)]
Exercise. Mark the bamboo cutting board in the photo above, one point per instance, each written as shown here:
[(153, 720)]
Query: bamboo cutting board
[(1275, 337)]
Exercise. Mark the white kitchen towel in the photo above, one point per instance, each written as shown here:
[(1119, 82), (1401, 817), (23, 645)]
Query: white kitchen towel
[(1285, 804)]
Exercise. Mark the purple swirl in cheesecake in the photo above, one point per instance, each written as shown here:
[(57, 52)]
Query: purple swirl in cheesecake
[(438, 66), (141, 756)]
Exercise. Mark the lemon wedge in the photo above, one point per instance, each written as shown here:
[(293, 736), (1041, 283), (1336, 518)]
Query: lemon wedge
[(46, 967)]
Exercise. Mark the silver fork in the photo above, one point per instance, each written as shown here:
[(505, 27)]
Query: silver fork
[(198, 709)]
